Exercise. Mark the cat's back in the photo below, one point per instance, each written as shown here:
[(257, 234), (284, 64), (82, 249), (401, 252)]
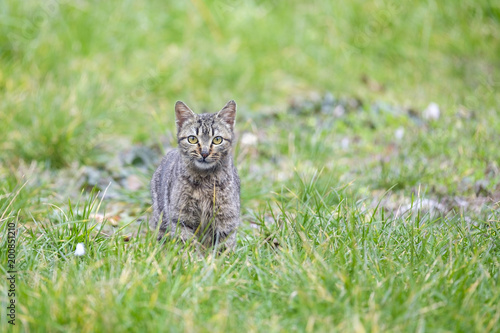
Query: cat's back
[(166, 172), (162, 182), (171, 159)]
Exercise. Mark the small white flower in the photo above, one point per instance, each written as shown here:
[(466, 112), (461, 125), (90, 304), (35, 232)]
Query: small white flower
[(344, 143), (249, 139), (80, 249), (431, 112), (400, 132)]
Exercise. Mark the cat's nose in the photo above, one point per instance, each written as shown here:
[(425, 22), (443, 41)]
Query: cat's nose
[(204, 153)]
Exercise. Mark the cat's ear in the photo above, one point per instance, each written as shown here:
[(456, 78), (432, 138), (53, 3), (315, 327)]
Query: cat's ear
[(182, 113), (228, 114)]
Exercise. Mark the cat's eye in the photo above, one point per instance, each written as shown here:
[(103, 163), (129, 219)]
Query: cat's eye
[(217, 140), (192, 139)]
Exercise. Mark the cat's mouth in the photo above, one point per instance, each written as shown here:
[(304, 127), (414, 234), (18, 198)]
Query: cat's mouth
[(204, 164)]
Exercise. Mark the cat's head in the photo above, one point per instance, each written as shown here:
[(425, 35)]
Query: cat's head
[(205, 140)]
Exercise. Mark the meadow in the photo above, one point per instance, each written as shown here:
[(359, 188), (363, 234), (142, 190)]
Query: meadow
[(368, 138)]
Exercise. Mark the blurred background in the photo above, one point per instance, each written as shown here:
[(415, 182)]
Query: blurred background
[(383, 92)]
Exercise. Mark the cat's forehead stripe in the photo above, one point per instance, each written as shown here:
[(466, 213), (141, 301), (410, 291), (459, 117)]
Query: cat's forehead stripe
[(205, 124)]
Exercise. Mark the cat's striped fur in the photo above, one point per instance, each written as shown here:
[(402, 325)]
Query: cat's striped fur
[(196, 188)]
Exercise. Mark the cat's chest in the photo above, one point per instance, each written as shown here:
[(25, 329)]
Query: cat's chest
[(199, 201), (201, 197)]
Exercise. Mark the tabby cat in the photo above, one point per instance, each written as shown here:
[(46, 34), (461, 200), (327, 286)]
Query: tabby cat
[(196, 188)]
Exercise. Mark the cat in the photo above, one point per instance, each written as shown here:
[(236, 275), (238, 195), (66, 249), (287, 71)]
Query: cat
[(196, 188)]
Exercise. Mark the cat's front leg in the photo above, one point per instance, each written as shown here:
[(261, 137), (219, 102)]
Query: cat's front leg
[(182, 232), (225, 235), (230, 241)]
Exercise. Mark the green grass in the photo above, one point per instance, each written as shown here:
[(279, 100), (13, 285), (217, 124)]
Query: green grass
[(337, 231), (336, 267)]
